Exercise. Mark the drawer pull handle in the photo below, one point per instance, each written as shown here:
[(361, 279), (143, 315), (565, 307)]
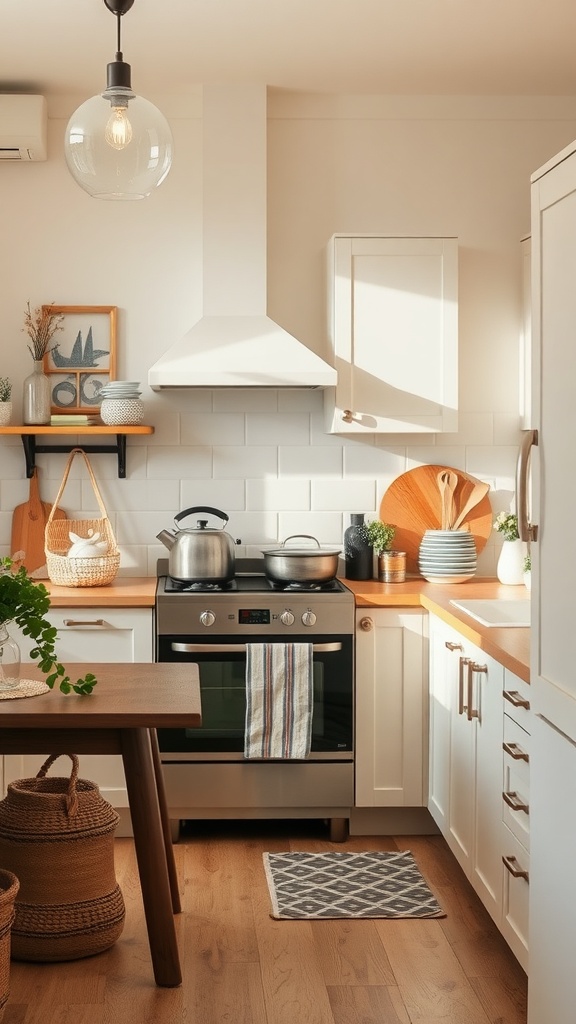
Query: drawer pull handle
[(83, 622), (515, 802), (516, 699), (461, 706), (511, 865), (452, 646), (473, 667), (366, 624), (515, 751)]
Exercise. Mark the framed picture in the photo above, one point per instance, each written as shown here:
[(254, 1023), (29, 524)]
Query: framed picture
[(82, 357)]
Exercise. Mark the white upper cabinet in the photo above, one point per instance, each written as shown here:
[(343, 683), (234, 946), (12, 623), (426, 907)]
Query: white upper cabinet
[(393, 326), (525, 361)]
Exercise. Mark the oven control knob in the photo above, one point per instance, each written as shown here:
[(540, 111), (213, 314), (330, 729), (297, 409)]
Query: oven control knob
[(287, 618), (207, 618), (308, 618)]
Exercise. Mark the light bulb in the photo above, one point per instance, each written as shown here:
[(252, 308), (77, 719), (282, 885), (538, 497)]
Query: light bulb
[(118, 131)]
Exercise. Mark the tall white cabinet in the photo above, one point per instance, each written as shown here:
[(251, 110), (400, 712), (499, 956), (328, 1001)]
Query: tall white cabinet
[(552, 980), (393, 327)]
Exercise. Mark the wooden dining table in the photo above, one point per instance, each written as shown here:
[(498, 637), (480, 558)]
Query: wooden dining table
[(128, 704)]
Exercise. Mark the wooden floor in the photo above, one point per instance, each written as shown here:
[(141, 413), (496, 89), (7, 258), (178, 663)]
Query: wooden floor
[(242, 967)]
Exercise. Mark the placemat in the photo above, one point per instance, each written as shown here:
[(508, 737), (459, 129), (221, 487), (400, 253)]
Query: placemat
[(26, 688)]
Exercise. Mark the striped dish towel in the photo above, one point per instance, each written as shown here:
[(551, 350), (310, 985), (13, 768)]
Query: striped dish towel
[(278, 700)]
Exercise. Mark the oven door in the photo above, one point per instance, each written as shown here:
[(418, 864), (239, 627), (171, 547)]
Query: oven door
[(222, 668)]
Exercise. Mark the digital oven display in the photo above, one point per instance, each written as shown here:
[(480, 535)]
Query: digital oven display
[(254, 616)]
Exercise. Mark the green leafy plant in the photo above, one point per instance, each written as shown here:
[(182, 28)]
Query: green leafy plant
[(528, 564), (26, 602), (378, 534), (507, 524), (5, 389)]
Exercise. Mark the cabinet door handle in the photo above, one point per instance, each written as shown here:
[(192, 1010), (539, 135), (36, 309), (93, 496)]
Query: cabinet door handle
[(461, 705), (473, 666), (452, 646), (366, 624), (528, 531), (515, 802), (515, 751), (511, 865), (516, 699), (83, 622), (347, 416)]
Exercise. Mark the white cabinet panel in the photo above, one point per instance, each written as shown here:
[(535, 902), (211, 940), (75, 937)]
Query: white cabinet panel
[(393, 316), (391, 718)]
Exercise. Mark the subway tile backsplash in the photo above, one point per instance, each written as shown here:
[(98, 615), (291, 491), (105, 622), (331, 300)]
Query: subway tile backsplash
[(263, 458)]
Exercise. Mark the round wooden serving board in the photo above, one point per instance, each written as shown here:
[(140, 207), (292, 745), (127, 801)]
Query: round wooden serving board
[(412, 504)]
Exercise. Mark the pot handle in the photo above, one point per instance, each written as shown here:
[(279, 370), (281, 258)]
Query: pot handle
[(201, 508), (307, 536)]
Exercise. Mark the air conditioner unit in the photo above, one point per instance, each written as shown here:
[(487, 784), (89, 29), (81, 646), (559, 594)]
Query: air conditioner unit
[(23, 127)]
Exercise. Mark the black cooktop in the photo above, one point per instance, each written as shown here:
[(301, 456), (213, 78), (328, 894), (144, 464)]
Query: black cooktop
[(257, 583)]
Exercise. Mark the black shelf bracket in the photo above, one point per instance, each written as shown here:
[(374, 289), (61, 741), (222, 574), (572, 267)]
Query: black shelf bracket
[(31, 450)]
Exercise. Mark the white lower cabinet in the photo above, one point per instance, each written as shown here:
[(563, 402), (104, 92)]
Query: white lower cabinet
[(517, 749), (465, 771), (391, 708), (90, 635)]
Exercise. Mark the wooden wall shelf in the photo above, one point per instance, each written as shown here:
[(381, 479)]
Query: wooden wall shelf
[(29, 435)]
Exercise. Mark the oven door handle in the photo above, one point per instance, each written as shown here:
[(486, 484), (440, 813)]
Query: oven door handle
[(241, 648)]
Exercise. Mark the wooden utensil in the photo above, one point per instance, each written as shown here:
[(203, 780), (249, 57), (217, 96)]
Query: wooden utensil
[(476, 495), (447, 482), (412, 504), (28, 526)]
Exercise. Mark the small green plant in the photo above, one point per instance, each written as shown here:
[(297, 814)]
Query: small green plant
[(5, 389), (527, 563), (507, 524), (378, 534), (26, 602)]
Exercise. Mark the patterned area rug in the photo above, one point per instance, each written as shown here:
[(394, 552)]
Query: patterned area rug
[(330, 885)]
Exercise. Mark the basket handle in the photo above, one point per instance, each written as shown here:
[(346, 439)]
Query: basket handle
[(67, 468), (71, 796)]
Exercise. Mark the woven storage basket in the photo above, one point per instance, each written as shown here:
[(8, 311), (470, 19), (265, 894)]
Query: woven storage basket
[(58, 834), (9, 886), (79, 572)]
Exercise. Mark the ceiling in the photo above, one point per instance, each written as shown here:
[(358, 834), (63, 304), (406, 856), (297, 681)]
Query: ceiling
[(470, 47)]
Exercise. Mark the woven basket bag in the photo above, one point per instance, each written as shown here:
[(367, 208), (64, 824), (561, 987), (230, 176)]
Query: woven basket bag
[(57, 836), (79, 572), (9, 886)]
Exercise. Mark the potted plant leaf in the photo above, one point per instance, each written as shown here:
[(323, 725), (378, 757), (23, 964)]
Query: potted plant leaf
[(391, 564), (26, 603), (5, 401)]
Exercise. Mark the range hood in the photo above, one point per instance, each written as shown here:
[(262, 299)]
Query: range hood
[(235, 343)]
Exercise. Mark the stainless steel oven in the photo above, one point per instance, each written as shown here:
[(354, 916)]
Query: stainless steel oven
[(206, 774)]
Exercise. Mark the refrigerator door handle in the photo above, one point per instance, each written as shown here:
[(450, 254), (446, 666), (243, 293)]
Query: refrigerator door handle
[(527, 530)]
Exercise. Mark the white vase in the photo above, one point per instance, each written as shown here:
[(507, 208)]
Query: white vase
[(510, 568), (5, 413)]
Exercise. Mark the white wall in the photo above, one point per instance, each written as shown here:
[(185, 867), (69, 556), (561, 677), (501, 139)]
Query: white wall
[(408, 165)]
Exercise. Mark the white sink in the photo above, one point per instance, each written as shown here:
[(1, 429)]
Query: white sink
[(499, 612)]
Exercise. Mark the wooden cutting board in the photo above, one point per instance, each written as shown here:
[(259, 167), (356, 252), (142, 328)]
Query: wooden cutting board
[(413, 505), (28, 526)]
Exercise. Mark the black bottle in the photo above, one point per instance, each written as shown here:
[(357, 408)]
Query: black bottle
[(358, 553)]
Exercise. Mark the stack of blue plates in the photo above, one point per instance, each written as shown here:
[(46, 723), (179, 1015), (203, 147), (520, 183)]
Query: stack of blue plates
[(447, 556)]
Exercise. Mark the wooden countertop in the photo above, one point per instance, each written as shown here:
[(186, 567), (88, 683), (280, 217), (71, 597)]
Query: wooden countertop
[(123, 592), (509, 645)]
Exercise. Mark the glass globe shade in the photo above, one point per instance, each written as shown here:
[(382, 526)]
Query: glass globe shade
[(118, 145)]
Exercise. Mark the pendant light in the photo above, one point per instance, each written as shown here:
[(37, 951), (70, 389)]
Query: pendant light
[(117, 144)]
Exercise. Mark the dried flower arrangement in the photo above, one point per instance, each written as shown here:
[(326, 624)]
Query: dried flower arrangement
[(40, 326)]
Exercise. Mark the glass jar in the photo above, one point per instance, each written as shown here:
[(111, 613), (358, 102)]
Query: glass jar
[(36, 396), (9, 660)]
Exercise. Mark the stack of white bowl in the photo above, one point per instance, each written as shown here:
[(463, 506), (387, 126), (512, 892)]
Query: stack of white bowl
[(447, 556), (121, 403)]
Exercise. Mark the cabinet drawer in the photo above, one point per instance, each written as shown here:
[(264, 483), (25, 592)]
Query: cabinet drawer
[(516, 781), (515, 892), (516, 695)]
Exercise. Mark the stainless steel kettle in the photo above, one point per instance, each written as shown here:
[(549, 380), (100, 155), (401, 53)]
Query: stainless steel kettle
[(198, 554)]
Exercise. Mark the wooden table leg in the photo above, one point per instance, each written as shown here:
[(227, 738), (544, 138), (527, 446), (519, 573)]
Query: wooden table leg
[(151, 855), (161, 789)]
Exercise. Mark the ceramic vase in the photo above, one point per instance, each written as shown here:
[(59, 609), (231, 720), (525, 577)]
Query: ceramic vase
[(36, 396), (9, 660), (5, 413), (510, 568), (358, 553)]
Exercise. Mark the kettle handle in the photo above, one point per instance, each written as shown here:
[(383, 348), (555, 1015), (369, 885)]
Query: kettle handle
[(201, 508)]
